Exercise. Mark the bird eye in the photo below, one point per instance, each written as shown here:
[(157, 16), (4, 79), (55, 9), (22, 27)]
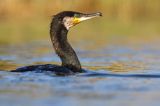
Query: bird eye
[(76, 15)]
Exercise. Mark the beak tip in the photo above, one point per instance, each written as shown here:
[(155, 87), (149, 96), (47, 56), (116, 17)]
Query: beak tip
[(99, 13)]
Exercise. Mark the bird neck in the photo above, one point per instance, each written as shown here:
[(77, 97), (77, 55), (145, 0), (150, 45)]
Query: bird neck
[(64, 50)]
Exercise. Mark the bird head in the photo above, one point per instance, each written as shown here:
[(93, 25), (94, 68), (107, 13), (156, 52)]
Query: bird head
[(70, 18)]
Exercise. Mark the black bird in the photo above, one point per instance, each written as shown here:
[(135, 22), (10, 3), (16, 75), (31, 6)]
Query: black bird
[(60, 25)]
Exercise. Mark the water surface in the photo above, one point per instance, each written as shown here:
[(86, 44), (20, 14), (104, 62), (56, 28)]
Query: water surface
[(129, 76)]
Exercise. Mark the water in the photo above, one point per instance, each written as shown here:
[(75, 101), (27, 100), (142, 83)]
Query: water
[(129, 76)]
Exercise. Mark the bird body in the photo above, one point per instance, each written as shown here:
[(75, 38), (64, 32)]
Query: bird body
[(60, 25)]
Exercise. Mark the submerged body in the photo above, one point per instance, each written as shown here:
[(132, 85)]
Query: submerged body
[(56, 69), (60, 25)]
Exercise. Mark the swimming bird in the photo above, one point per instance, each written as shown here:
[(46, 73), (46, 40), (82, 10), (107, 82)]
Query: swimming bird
[(59, 27)]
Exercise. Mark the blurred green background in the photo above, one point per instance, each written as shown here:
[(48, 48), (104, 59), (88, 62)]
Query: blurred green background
[(123, 21)]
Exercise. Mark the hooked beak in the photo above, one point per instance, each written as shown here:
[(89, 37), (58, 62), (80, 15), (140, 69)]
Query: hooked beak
[(87, 17), (90, 16)]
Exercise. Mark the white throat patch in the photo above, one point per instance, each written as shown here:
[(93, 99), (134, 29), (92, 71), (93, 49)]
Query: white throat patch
[(68, 22)]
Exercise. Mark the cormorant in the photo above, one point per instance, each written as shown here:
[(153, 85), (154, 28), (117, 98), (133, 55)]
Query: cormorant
[(60, 25)]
